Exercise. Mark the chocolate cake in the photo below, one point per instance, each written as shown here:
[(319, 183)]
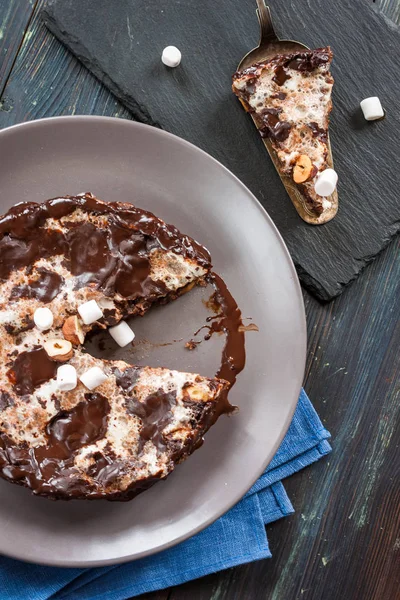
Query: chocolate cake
[(289, 97), (116, 440)]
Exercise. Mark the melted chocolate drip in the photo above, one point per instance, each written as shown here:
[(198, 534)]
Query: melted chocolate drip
[(49, 469), (31, 369), (17, 252), (106, 468), (115, 259), (227, 320), (251, 86), (230, 322)]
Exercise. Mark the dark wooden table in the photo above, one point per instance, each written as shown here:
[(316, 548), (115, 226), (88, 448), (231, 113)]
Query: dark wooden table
[(344, 539)]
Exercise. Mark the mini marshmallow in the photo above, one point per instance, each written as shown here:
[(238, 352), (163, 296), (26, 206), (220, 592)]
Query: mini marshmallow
[(66, 378), (90, 312), (372, 108), (122, 334), (326, 182), (43, 318), (171, 56), (93, 378)]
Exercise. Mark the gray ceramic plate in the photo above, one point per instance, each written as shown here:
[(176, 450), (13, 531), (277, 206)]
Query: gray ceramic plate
[(125, 161)]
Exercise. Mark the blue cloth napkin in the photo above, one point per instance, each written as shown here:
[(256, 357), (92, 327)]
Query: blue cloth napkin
[(237, 537)]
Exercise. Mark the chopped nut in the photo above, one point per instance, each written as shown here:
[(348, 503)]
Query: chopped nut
[(58, 349), (302, 169), (196, 392), (73, 331)]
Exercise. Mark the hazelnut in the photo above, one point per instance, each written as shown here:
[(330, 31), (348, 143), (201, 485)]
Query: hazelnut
[(302, 169), (73, 331), (58, 349)]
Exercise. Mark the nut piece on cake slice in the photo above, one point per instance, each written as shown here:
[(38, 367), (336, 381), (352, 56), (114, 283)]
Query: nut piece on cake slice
[(289, 99)]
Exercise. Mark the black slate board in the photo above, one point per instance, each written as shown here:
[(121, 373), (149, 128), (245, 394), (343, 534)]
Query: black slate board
[(121, 43)]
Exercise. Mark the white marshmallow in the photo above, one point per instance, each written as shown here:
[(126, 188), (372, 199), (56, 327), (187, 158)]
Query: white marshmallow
[(171, 56), (66, 378), (122, 334), (93, 378), (326, 182), (372, 108), (43, 318), (90, 312)]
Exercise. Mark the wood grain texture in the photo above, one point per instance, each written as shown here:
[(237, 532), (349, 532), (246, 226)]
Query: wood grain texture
[(196, 103), (47, 81), (14, 18), (344, 539)]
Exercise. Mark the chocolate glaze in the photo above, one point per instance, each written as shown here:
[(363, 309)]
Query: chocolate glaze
[(115, 259), (155, 414), (280, 75), (31, 369), (154, 411), (318, 131), (273, 127), (49, 469), (127, 379), (308, 60), (45, 288), (83, 425), (305, 61)]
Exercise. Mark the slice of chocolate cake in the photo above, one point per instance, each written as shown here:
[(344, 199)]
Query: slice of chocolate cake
[(289, 97)]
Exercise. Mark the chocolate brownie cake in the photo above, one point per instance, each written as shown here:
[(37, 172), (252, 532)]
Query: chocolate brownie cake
[(289, 97), (116, 440)]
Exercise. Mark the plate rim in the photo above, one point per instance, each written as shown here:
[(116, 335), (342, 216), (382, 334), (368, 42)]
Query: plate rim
[(122, 122)]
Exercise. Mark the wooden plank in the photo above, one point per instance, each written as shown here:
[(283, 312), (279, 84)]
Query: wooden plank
[(14, 18), (391, 8), (47, 80)]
